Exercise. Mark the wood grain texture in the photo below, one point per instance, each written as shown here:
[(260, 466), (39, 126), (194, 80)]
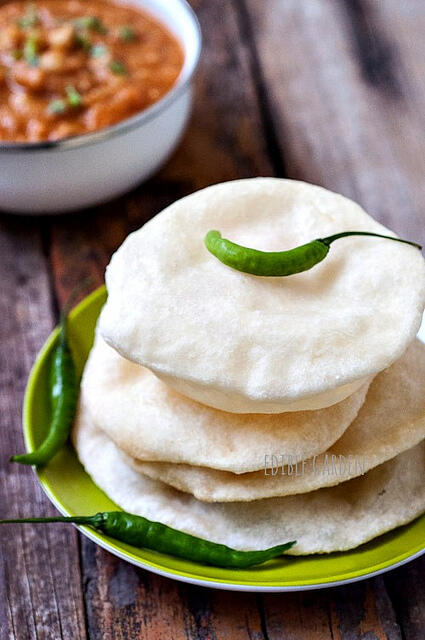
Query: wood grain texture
[(333, 127), (358, 611), (215, 614), (36, 600), (406, 587), (126, 602)]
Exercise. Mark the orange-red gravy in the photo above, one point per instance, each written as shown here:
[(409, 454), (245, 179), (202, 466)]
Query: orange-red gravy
[(68, 67)]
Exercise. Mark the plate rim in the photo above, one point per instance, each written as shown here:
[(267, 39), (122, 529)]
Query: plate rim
[(182, 576)]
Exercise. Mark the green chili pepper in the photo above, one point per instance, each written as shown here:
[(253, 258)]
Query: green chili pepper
[(279, 263), (141, 532), (64, 396)]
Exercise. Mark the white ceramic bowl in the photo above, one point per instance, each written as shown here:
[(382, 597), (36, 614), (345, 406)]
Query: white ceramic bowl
[(58, 176)]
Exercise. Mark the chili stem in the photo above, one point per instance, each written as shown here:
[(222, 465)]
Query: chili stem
[(344, 234), (87, 520)]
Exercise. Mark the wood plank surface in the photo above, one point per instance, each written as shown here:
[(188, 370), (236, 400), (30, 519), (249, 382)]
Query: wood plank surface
[(35, 599), (329, 91), (361, 610), (337, 122)]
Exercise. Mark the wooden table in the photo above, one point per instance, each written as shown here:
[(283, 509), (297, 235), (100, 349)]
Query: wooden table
[(330, 91)]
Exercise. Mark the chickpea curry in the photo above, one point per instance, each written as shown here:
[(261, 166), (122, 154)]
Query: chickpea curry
[(69, 67)]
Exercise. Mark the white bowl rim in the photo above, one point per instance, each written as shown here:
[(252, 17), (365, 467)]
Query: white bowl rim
[(130, 123)]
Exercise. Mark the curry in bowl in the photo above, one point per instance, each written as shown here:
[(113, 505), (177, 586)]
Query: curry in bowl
[(69, 67)]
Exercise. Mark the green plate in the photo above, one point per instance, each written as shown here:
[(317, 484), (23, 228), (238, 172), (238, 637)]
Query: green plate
[(72, 491)]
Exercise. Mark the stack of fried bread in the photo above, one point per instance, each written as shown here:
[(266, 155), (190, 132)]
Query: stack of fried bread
[(253, 410)]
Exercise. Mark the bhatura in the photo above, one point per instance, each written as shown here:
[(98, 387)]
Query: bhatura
[(199, 370)]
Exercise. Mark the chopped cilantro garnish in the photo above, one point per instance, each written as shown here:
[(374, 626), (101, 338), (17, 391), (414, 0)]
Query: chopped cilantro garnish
[(31, 51), (74, 98), (92, 23), (83, 41), (57, 106), (118, 68), (127, 33), (30, 17)]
